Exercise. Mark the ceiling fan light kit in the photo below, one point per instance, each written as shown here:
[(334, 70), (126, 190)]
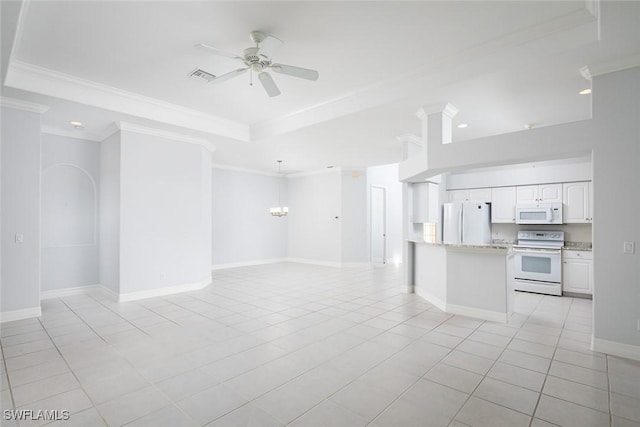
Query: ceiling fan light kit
[(258, 60)]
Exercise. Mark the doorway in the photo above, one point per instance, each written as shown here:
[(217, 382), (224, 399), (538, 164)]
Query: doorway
[(378, 225)]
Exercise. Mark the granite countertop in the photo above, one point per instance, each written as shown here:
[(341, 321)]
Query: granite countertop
[(577, 246), (461, 246)]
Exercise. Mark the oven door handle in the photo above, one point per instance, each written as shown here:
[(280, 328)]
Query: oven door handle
[(536, 250)]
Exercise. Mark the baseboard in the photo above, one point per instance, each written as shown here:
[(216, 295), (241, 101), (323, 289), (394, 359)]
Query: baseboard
[(477, 313), (168, 290), (247, 263), (356, 264), (66, 292), (431, 298), (25, 313), (615, 348), (314, 262)]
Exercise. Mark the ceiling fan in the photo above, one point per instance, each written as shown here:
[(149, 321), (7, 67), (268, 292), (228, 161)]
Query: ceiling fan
[(258, 60)]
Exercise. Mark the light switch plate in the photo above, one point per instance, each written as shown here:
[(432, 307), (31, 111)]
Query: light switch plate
[(629, 247)]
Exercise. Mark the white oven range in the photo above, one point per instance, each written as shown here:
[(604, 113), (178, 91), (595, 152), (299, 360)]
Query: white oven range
[(538, 262)]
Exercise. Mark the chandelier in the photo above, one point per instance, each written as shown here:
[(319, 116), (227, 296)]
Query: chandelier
[(279, 210)]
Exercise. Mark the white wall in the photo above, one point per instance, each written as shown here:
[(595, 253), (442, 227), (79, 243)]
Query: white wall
[(387, 176), (315, 210), (109, 217), (616, 176), (243, 230), (20, 193), (165, 213), (355, 232), (70, 177)]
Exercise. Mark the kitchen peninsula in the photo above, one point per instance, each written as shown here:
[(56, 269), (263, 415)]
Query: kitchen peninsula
[(470, 280)]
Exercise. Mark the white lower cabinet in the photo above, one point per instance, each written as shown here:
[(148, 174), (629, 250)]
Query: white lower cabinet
[(577, 271)]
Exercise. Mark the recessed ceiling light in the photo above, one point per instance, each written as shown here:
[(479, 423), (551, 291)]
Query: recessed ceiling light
[(329, 167), (77, 125), (462, 125), (585, 91), (528, 126)]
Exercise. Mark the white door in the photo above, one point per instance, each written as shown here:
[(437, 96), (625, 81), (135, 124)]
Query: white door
[(527, 194), (378, 225)]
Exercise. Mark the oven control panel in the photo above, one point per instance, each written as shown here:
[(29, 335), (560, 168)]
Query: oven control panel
[(552, 236)]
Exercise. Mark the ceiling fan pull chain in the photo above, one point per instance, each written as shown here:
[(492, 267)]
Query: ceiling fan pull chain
[(250, 77)]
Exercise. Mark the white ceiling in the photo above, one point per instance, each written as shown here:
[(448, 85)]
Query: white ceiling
[(503, 64)]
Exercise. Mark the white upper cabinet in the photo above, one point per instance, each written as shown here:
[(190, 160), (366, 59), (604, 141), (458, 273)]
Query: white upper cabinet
[(425, 202), (577, 202), (475, 195), (543, 193), (503, 205)]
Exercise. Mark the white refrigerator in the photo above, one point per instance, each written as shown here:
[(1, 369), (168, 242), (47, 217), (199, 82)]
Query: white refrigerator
[(466, 223)]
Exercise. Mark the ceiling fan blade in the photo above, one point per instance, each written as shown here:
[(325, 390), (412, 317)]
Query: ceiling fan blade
[(218, 52), (302, 73), (268, 84), (269, 46), (229, 75)]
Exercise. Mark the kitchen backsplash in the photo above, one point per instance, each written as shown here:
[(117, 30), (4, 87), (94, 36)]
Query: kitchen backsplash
[(572, 232)]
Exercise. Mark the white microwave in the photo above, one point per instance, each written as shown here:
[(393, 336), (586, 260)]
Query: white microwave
[(550, 213)]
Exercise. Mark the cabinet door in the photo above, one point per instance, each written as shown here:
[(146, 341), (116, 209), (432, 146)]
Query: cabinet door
[(503, 204), (577, 205), (577, 276), (434, 203), (458, 195), (480, 195), (420, 202), (527, 194), (550, 193)]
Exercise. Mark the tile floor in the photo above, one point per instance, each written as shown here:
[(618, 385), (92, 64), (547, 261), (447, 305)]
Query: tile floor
[(290, 344)]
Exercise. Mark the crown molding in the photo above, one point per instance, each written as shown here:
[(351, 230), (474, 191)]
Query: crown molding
[(131, 127), (613, 65), (568, 28), (44, 81), (447, 109), (244, 170), (316, 172), (18, 104), (75, 134)]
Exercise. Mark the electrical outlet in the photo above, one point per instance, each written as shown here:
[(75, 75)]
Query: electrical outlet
[(19, 238), (629, 247)]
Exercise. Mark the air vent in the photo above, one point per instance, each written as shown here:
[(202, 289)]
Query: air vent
[(202, 74)]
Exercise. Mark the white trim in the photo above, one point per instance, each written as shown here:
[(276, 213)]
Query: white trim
[(445, 108), (316, 172), (615, 348), (357, 264), (410, 138), (108, 131), (25, 313), (246, 263), (614, 65), (70, 133), (441, 304), (18, 104), (66, 292), (168, 290), (477, 313), (244, 170), (131, 127), (109, 293), (33, 78), (315, 262)]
